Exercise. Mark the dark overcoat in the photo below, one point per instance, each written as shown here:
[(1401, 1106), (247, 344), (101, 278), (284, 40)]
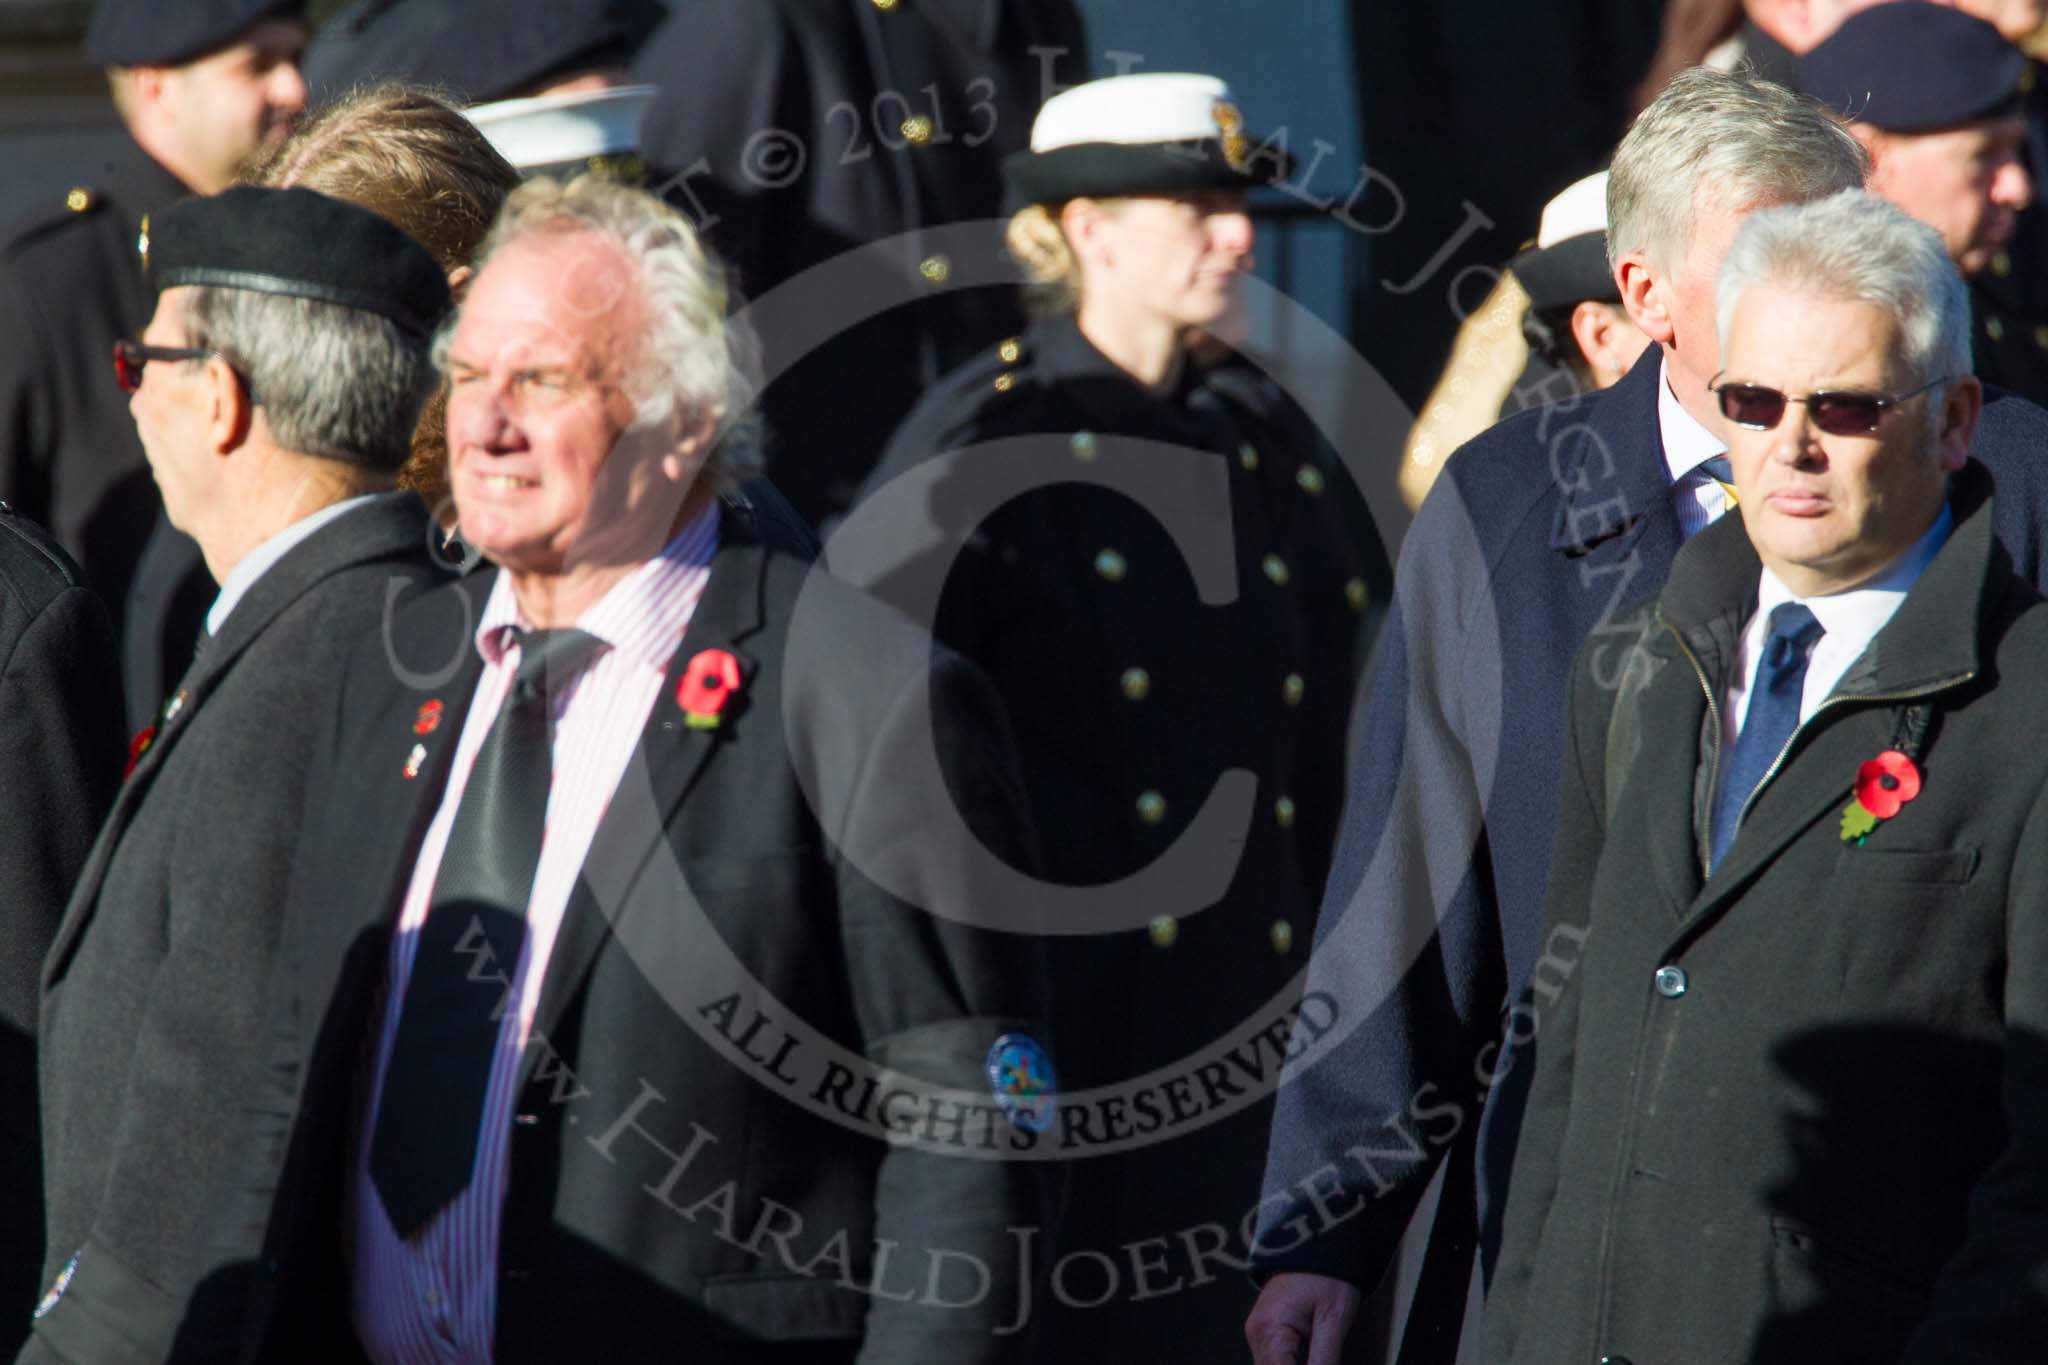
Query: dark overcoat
[(1538, 535), (60, 761), (710, 858), (153, 990), (1793, 1111), (1203, 613)]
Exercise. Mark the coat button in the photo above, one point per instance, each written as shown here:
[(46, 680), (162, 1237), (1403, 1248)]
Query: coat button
[(1291, 688), (1010, 350), (1082, 443), (1005, 382), (1163, 931), (936, 269), (1151, 808), (1283, 811), (1994, 328), (1311, 480), (917, 130), (1276, 569), (1671, 982), (1111, 566), (1282, 937), (1355, 593), (886, 5), (1248, 455), (1136, 684)]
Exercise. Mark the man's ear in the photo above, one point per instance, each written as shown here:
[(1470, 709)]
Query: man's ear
[(1961, 406), (1645, 296), (458, 280), (229, 411), (1875, 146)]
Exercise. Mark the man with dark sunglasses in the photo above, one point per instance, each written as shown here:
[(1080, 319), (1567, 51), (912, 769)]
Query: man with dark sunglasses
[(274, 391), (1787, 1107)]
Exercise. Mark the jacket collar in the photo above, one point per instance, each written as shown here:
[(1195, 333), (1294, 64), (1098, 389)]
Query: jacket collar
[(1607, 454), (1713, 587)]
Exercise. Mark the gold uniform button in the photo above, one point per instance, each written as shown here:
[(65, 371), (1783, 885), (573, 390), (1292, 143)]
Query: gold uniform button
[(1311, 480), (1282, 936), (937, 269), (1137, 684), (1283, 811), (1151, 808), (1010, 350), (1163, 931), (79, 200), (2001, 264), (1276, 569), (917, 130), (1248, 455), (1111, 566), (1356, 595), (1291, 688), (1082, 443), (2041, 337), (1005, 382), (886, 5), (1994, 329)]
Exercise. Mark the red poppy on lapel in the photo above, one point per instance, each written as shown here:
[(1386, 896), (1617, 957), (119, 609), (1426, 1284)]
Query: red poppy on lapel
[(137, 747), (708, 683), (1883, 784), (429, 719)]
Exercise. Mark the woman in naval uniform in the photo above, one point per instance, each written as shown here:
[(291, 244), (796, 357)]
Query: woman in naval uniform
[(1131, 691)]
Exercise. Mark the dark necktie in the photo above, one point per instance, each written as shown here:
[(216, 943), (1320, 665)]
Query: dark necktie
[(1773, 716), (424, 1145)]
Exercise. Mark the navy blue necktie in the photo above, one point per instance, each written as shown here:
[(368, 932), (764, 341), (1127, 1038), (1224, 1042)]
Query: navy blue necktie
[(1773, 716)]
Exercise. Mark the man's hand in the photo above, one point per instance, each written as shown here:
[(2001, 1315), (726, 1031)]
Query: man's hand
[(1301, 1319)]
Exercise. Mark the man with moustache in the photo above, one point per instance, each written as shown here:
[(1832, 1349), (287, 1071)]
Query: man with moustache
[(199, 86), (1539, 533), (1786, 1107), (578, 807), (275, 391)]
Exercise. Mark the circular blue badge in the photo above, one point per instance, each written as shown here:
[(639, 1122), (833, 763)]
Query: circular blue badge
[(1020, 1077)]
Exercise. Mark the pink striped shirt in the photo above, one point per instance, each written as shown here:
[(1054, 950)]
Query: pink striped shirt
[(432, 1299)]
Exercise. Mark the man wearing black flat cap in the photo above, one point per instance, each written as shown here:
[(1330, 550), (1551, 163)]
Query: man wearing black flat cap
[(1937, 97), (275, 392), (199, 85)]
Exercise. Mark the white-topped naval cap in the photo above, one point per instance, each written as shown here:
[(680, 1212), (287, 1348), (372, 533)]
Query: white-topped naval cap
[(1153, 106), (554, 129), (1578, 208)]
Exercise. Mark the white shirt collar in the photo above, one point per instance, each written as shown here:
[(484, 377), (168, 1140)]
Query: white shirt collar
[(1686, 442), (259, 560), (1852, 619)]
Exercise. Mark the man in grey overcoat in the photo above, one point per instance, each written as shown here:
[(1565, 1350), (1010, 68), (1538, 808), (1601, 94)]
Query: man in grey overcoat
[(1789, 1103), (275, 392)]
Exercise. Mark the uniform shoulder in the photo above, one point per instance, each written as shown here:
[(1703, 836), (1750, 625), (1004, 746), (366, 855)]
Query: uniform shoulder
[(78, 205)]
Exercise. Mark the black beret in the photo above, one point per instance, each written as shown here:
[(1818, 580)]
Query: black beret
[(483, 50), (1914, 67), (1572, 271), (300, 243), (171, 32)]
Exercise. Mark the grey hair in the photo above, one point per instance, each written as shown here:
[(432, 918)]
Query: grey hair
[(1729, 140), (693, 359), (1855, 247), (333, 381)]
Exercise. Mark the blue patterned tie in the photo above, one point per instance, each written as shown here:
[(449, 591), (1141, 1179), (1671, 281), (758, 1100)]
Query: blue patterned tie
[(1773, 716), (1718, 469)]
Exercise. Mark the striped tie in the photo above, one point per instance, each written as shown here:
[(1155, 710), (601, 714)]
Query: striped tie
[(1718, 469)]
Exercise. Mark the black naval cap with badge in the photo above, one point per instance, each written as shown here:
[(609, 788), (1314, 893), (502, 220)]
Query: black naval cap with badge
[(1915, 67), (173, 32), (483, 50), (1149, 133)]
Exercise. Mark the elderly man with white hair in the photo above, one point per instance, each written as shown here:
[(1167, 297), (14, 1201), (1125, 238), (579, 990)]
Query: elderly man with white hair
[(636, 1005), (1790, 1105)]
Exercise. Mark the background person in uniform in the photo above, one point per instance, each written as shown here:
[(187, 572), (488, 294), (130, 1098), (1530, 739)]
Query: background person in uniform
[(1937, 97), (793, 131), (1801, 844), (200, 87), (1129, 694), (446, 1197), (60, 760), (280, 379)]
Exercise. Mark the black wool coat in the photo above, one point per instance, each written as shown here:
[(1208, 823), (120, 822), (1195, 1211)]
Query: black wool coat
[(60, 762), (154, 987), (1792, 1111), (714, 856), (1542, 532)]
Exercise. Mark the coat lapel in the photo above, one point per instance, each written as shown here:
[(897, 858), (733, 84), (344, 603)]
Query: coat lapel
[(390, 524), (665, 767)]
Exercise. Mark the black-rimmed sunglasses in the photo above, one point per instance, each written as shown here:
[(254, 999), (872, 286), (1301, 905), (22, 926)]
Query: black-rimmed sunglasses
[(1837, 413), (131, 356)]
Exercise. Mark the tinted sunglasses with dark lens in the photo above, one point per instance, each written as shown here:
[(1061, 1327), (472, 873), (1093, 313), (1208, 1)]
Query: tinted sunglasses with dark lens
[(131, 356), (1838, 414)]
